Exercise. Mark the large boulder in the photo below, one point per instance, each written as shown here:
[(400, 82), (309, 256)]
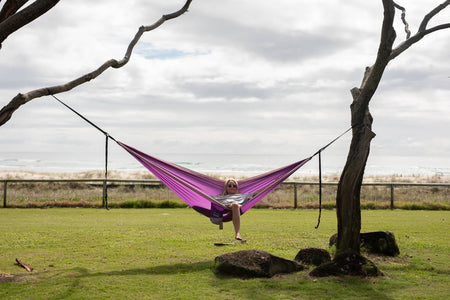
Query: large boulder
[(378, 242), (313, 256), (347, 263), (255, 263)]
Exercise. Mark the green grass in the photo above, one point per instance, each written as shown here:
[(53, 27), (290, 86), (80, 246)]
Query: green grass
[(82, 253)]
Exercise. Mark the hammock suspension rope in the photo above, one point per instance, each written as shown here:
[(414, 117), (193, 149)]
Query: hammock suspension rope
[(146, 160)]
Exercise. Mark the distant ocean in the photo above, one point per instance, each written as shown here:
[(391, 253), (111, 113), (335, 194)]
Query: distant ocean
[(226, 164)]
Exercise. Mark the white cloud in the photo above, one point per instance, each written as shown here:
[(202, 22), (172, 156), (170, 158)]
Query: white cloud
[(275, 77)]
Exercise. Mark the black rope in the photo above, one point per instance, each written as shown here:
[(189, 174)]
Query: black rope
[(105, 187), (80, 115), (320, 171), (105, 190), (326, 146), (320, 188)]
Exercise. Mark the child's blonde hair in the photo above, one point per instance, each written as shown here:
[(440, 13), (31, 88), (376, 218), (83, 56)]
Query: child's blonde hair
[(229, 181)]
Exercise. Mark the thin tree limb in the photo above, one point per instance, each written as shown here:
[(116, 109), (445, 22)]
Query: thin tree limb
[(21, 99), (403, 17), (423, 31), (373, 74), (431, 14), (25, 266)]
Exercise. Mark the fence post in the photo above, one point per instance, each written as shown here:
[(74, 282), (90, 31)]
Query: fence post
[(295, 194), (5, 184), (392, 196), (104, 194)]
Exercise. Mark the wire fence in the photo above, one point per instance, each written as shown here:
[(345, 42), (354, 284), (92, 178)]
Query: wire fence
[(95, 192)]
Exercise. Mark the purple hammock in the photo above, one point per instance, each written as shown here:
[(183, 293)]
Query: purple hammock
[(197, 189)]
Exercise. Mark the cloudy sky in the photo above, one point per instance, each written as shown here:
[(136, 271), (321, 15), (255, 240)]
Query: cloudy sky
[(232, 77)]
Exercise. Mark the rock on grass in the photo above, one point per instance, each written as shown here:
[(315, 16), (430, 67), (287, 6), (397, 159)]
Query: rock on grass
[(347, 263), (255, 263)]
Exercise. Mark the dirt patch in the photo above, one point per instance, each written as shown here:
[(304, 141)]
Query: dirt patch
[(8, 277)]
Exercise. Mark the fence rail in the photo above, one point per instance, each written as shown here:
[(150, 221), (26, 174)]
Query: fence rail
[(291, 189)]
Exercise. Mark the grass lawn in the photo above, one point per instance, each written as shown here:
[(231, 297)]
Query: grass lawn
[(169, 254)]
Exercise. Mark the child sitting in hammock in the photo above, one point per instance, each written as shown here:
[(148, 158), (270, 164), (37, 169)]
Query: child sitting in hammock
[(232, 200)]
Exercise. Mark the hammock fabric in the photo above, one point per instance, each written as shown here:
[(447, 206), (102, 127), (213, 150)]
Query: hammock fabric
[(197, 189)]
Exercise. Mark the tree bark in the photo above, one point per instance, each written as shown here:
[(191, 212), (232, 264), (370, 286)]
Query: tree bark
[(349, 189), (14, 21), (10, 7)]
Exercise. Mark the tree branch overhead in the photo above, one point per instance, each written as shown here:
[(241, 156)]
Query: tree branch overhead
[(21, 99), (422, 31), (16, 20)]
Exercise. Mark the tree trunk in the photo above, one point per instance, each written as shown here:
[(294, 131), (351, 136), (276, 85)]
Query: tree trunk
[(348, 208), (349, 188)]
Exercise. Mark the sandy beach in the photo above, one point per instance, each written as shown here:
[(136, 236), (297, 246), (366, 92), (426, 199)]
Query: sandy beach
[(139, 175)]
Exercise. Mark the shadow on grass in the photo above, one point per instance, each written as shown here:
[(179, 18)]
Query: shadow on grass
[(157, 270), (301, 286), (297, 285), (264, 288), (69, 280)]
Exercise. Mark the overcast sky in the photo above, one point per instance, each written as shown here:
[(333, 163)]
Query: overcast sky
[(240, 77)]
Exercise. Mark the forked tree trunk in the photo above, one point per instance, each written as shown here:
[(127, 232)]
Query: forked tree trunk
[(349, 189)]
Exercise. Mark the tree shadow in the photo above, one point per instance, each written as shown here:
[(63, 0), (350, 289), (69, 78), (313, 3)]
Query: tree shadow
[(69, 288), (156, 270), (267, 288)]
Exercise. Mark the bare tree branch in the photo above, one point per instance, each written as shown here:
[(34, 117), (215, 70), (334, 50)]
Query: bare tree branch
[(373, 74), (10, 7), (423, 31), (28, 14), (431, 14), (21, 99), (403, 17)]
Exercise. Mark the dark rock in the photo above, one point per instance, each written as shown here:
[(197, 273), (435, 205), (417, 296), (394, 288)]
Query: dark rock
[(333, 240), (313, 256), (378, 242), (255, 263), (347, 263)]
